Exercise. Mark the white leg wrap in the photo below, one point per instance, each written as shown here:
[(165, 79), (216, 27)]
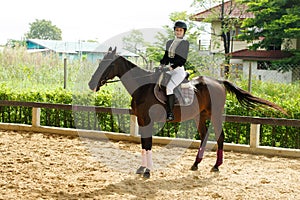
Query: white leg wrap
[(149, 159), (144, 158)]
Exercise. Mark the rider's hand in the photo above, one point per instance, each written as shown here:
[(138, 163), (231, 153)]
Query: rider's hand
[(162, 66)]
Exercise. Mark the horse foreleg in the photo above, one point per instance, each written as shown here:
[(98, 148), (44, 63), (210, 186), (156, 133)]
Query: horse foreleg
[(146, 142), (146, 162), (143, 166)]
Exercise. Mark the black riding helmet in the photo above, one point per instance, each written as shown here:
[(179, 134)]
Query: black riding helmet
[(180, 24)]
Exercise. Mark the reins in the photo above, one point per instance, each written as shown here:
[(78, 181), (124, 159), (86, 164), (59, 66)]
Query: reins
[(113, 81)]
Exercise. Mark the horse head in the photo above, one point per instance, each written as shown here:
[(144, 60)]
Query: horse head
[(105, 71)]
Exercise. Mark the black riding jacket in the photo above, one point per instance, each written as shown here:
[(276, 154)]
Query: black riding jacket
[(180, 57)]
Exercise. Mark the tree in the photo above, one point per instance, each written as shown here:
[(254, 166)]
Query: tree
[(15, 43), (43, 29), (135, 43), (276, 22)]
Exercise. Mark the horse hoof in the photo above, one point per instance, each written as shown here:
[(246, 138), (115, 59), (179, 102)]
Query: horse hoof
[(146, 173), (214, 169), (140, 170), (194, 168)]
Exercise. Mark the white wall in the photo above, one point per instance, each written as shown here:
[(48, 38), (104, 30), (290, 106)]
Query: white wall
[(266, 75)]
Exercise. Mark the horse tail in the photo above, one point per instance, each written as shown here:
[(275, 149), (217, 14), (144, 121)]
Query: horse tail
[(247, 99)]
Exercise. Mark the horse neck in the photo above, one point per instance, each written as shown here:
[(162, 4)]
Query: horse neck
[(132, 76)]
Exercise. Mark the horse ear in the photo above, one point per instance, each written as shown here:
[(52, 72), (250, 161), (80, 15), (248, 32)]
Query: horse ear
[(115, 50), (110, 49)]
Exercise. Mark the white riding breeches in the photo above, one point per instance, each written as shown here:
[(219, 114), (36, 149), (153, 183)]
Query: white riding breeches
[(177, 76)]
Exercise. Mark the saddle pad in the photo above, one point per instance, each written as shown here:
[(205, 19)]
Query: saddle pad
[(187, 92)]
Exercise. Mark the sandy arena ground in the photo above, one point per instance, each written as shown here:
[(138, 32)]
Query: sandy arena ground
[(42, 166)]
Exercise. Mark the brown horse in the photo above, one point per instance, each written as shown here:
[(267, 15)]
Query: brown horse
[(208, 104)]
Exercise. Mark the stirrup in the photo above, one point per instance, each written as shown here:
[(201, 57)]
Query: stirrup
[(170, 116)]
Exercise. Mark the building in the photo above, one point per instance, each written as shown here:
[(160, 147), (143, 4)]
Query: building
[(258, 64), (242, 59), (91, 51)]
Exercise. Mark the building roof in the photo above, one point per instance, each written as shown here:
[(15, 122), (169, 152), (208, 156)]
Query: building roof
[(260, 55), (60, 46), (230, 9), (66, 47), (120, 51)]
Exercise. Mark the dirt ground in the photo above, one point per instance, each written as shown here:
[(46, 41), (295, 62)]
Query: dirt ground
[(43, 166)]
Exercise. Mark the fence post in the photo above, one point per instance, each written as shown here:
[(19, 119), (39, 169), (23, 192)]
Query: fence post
[(36, 117), (65, 73), (254, 135), (134, 127), (250, 77)]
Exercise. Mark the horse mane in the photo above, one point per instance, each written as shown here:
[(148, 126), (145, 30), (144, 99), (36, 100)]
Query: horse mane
[(133, 65)]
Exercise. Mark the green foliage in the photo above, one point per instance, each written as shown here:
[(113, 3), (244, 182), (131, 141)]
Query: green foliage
[(275, 22), (63, 118), (20, 69), (43, 29), (39, 78), (284, 95)]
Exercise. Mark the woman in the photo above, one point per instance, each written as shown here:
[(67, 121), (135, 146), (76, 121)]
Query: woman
[(175, 56)]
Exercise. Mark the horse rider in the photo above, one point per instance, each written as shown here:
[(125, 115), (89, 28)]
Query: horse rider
[(175, 56)]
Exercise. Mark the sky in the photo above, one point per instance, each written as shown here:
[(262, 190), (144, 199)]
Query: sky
[(89, 19)]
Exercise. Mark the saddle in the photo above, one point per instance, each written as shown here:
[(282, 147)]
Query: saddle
[(184, 92)]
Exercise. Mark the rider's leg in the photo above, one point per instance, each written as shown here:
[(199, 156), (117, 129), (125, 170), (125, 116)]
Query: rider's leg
[(170, 106), (177, 76)]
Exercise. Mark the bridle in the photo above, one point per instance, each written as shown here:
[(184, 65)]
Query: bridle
[(106, 80)]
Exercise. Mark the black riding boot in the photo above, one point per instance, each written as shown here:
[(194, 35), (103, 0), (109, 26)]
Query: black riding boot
[(170, 106)]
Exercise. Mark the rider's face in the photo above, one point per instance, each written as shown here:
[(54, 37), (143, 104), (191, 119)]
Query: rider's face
[(179, 32)]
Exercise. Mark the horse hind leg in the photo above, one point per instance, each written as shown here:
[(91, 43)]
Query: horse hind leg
[(219, 134), (202, 130)]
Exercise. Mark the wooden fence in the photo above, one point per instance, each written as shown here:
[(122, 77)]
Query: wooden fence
[(133, 136)]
